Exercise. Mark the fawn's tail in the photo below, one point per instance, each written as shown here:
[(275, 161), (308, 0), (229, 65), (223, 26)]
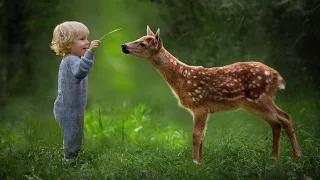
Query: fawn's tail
[(281, 82)]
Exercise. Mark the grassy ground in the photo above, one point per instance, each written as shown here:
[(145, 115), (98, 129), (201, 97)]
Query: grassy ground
[(138, 142)]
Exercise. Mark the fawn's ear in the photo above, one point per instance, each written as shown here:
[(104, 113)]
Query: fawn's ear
[(149, 32), (157, 39)]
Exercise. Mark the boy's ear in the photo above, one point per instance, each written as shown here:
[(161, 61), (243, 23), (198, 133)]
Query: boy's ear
[(69, 45), (157, 39), (149, 32)]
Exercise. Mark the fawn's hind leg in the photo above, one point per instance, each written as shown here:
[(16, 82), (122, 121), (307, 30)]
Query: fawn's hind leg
[(286, 123), (264, 111)]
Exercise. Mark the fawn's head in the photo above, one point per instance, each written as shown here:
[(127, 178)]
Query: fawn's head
[(146, 46)]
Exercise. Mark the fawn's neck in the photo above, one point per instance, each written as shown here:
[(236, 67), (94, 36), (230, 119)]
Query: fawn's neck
[(170, 68)]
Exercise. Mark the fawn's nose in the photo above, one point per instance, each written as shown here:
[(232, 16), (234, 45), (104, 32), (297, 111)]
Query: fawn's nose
[(124, 49)]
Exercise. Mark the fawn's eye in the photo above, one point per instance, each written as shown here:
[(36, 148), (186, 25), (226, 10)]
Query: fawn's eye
[(142, 44)]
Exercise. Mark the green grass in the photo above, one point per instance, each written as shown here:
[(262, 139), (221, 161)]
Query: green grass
[(138, 142)]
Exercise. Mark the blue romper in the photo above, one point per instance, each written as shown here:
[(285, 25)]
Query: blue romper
[(70, 104)]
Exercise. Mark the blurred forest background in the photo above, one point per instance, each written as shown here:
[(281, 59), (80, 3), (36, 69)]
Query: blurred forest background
[(284, 35)]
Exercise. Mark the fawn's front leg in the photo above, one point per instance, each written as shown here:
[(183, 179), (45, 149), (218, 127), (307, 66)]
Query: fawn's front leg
[(200, 118)]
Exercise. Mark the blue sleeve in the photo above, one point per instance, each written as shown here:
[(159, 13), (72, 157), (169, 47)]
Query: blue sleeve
[(80, 67)]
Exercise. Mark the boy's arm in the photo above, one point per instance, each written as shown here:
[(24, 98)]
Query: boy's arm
[(81, 67)]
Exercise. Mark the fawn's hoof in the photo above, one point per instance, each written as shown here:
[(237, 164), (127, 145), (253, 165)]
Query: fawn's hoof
[(298, 155), (274, 160), (197, 162)]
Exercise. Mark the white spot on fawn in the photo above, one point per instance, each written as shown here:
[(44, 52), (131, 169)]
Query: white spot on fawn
[(185, 73), (189, 82), (266, 72), (181, 69)]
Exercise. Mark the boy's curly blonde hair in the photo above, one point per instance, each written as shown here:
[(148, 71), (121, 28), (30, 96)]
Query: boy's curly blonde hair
[(64, 34)]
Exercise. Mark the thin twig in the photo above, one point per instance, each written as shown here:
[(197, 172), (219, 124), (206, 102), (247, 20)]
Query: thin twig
[(110, 33)]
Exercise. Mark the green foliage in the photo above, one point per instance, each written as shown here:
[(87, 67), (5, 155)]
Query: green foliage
[(124, 125), (137, 142), (8, 139)]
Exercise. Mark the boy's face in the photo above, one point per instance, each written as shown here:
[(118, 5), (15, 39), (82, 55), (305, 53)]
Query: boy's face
[(80, 45)]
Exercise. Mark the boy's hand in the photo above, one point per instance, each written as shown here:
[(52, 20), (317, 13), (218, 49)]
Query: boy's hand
[(94, 45)]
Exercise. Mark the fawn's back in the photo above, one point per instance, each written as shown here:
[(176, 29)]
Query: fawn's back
[(228, 86)]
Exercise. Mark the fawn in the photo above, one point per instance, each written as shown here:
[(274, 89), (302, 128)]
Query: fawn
[(203, 91)]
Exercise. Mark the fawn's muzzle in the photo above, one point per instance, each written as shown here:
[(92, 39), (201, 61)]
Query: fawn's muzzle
[(124, 49)]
